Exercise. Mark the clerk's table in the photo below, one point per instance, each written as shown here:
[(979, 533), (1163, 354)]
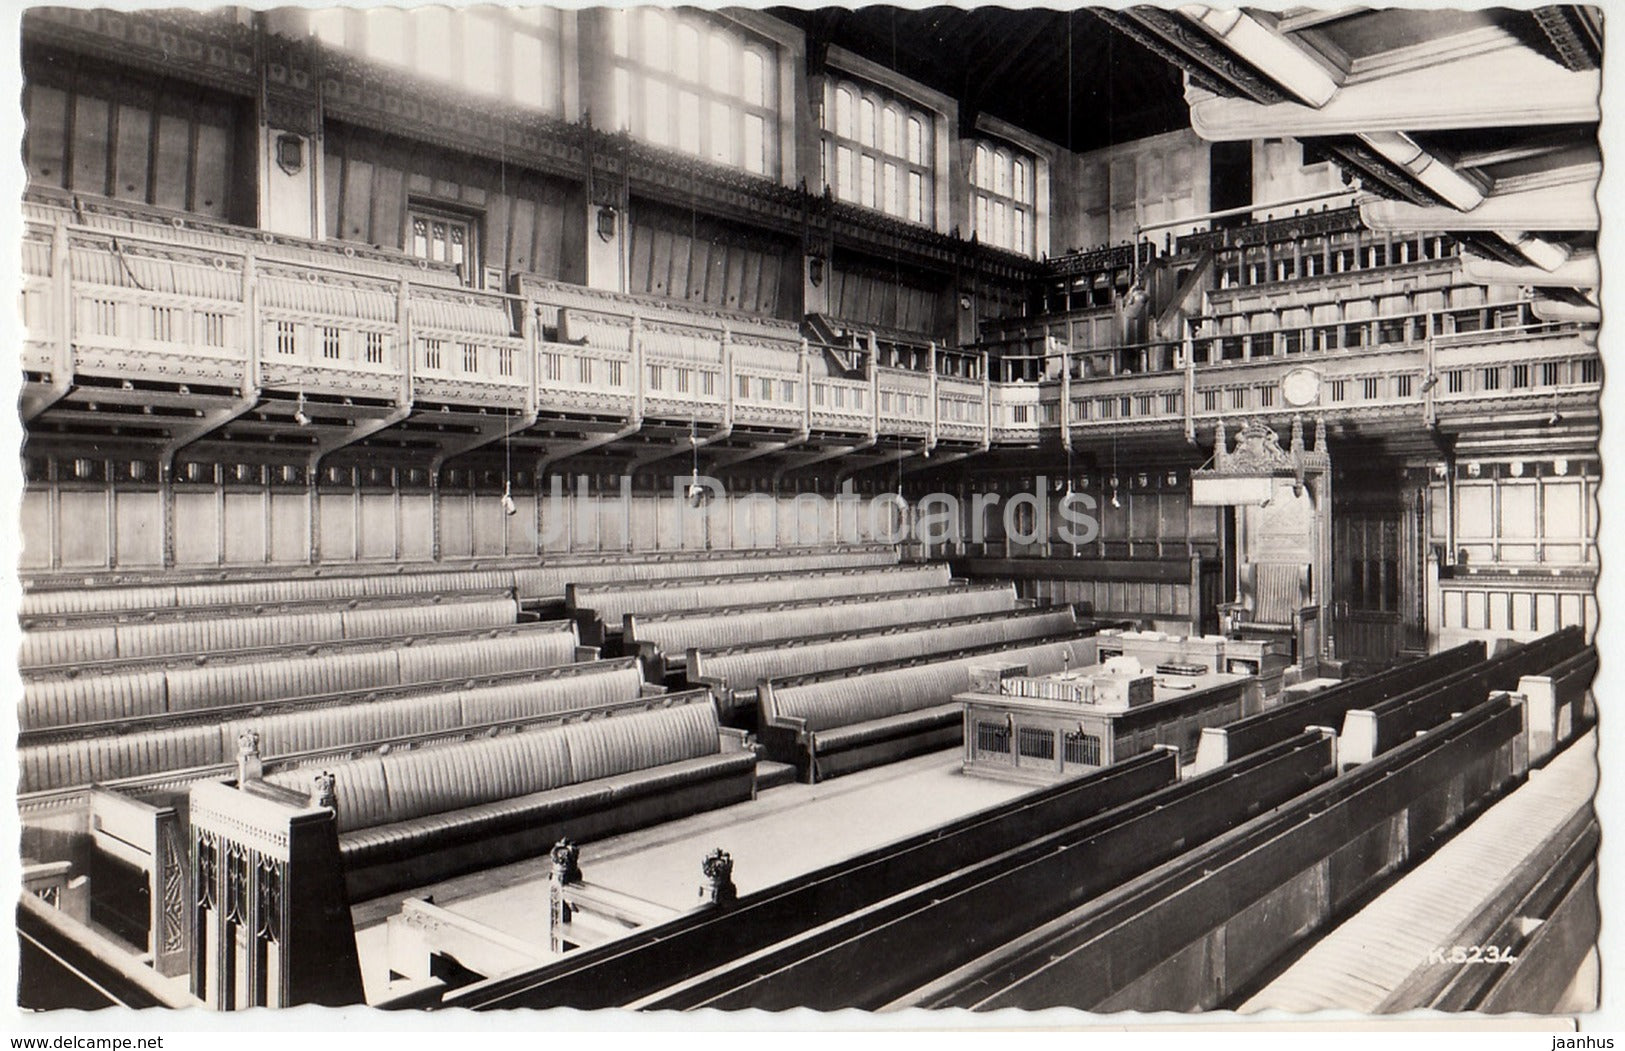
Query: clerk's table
[(1048, 728)]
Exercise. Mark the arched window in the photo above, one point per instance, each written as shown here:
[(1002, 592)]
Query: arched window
[(876, 150), (509, 53), (1002, 186), (698, 83)]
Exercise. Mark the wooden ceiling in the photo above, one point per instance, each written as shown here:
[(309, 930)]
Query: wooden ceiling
[(1063, 75)]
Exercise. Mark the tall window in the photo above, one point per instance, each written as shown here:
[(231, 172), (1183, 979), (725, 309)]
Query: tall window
[(1003, 191), (878, 151), (686, 82), (510, 53)]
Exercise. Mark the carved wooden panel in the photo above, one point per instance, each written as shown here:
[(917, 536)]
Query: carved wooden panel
[(372, 179)]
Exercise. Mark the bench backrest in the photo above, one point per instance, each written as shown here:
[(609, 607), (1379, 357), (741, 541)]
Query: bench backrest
[(379, 790)]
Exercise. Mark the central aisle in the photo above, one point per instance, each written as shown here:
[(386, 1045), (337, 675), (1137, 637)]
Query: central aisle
[(786, 831)]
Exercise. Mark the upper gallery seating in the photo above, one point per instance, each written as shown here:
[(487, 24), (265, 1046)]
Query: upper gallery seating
[(65, 698), (410, 818), (847, 719)]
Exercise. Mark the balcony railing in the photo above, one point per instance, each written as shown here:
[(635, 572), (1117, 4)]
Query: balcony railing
[(136, 305)]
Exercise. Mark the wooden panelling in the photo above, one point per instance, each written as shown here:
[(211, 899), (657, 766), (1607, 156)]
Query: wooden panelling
[(90, 525), (371, 179), (703, 261), (133, 137)]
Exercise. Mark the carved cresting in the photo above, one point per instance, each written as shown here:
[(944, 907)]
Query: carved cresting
[(566, 859), (718, 888), (249, 765), (323, 792)]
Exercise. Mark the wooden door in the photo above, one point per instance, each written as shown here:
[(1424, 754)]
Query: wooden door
[(1368, 585)]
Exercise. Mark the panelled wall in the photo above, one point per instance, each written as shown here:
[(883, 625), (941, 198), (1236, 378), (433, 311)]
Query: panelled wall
[(245, 517), (105, 132), (894, 296), (1153, 517), (1523, 533), (375, 182), (692, 257)]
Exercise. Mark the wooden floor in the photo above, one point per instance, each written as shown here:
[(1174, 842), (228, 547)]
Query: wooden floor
[(784, 832), (1360, 964)]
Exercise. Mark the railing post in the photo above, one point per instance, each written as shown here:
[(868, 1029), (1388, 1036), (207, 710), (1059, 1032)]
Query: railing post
[(987, 405), (634, 341), (1430, 376), (805, 368), (403, 322), (62, 365), (726, 344), (1189, 341), (931, 441), (533, 358), (1065, 413), (251, 318)]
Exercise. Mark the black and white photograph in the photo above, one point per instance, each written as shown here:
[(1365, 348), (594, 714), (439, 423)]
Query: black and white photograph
[(692, 513)]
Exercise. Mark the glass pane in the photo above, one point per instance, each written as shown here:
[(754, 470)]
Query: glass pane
[(843, 112), (482, 42), (386, 35), (1020, 243), (888, 131), (867, 187), (983, 175), (984, 228), (916, 140), (327, 25), (535, 79), (654, 123), (916, 210), (1001, 170), (755, 68), (688, 52), (1018, 182), (721, 62), (847, 186), (890, 200), (866, 123), (688, 122), (722, 142), (656, 39), (623, 100), (431, 31), (420, 238)]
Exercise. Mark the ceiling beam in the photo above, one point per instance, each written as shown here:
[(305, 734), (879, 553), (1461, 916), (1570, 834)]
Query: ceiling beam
[(1562, 207), (1529, 91)]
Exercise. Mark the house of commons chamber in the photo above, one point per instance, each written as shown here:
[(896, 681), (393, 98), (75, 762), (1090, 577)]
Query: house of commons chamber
[(669, 508)]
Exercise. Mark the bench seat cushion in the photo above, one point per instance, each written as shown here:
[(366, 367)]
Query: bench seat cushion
[(843, 737)]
